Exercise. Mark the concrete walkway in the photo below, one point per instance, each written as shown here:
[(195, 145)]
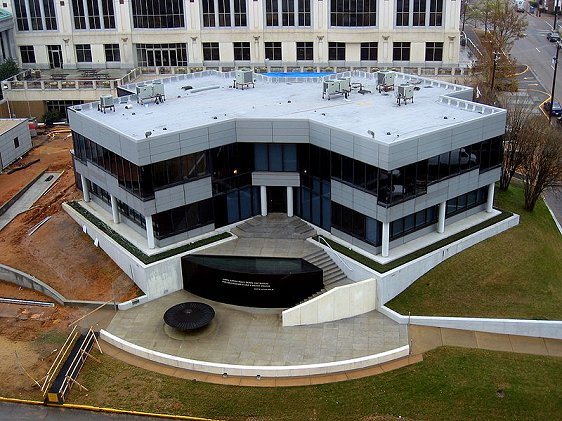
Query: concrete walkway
[(26, 201)]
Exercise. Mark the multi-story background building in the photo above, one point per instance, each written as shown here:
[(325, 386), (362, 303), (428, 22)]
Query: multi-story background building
[(223, 34)]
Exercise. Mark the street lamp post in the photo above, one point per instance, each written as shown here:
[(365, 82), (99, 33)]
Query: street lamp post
[(558, 46), (555, 14)]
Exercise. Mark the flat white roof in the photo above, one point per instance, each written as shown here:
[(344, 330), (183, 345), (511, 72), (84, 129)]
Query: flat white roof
[(290, 98)]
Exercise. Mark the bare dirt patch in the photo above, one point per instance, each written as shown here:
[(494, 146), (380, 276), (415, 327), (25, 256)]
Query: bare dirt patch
[(59, 254)]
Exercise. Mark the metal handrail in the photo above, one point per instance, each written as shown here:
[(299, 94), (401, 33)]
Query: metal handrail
[(339, 257)]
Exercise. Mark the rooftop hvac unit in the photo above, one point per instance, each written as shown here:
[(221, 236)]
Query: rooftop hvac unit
[(244, 76), (106, 101), (405, 93), (385, 77), (158, 89), (144, 92), (345, 84)]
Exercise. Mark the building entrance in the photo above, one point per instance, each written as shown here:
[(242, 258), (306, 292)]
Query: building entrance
[(276, 199)]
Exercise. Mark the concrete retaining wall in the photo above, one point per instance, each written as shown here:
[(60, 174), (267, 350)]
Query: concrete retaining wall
[(19, 194), (263, 371), (336, 304), (28, 281), (535, 328)]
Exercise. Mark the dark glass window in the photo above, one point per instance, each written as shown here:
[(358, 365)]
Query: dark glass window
[(356, 224), (336, 51), (466, 201), (435, 12), (305, 51), (433, 51), (287, 12), (369, 51), (27, 54), (413, 222), (182, 219), (211, 51), (402, 12), (419, 13), (41, 15), (224, 13), (83, 53), (112, 52), (157, 13), (150, 55), (241, 51), (87, 14), (273, 51), (353, 13), (275, 157), (401, 51)]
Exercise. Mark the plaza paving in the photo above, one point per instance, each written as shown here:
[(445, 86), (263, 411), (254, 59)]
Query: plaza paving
[(251, 336)]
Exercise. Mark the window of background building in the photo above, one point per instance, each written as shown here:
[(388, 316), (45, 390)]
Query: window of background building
[(27, 54), (16, 142), (83, 53), (211, 51), (93, 14), (157, 13), (436, 13), (161, 54), (336, 51), (433, 51), (305, 51), (401, 51), (402, 12), (369, 51), (112, 52), (41, 15), (241, 51), (224, 13), (353, 13), (273, 51), (418, 17), (287, 12)]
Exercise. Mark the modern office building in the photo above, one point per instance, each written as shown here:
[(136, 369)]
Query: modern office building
[(366, 167), (224, 34)]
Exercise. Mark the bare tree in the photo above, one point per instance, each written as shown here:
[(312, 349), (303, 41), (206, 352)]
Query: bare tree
[(507, 25), (519, 111), (541, 164)]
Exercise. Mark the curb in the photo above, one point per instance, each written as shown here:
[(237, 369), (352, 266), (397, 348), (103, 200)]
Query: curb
[(553, 215), (106, 410)]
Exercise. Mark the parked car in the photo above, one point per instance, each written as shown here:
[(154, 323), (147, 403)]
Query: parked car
[(556, 109), (553, 36)]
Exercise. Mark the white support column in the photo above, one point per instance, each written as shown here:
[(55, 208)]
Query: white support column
[(441, 220), (85, 188), (289, 201), (490, 201), (263, 196), (149, 231), (114, 209), (385, 238)]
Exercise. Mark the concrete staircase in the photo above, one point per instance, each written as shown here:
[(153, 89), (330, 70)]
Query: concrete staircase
[(333, 275), (274, 226)]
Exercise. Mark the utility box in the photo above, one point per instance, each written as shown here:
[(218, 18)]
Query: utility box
[(157, 89), (345, 84), (406, 91), (244, 76), (144, 92), (151, 91), (330, 87), (385, 78), (106, 101)]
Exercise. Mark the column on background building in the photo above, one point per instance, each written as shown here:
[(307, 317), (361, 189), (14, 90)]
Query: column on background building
[(149, 231), (385, 238), (289, 201), (490, 200), (441, 220), (263, 196), (85, 188), (114, 209)]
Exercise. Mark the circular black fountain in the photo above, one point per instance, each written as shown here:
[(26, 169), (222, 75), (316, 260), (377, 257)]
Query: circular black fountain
[(189, 316)]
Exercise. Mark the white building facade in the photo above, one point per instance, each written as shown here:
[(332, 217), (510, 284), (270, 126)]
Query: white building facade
[(282, 35)]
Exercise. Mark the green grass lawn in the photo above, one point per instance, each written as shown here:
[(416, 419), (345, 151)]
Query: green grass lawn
[(517, 274), (450, 384)]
